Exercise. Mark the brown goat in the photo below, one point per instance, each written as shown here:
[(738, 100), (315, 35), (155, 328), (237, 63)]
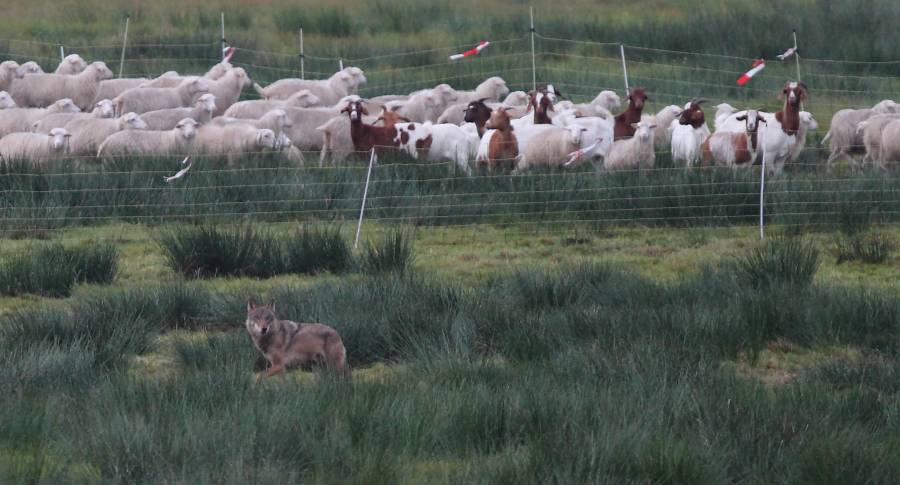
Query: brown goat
[(503, 148), (693, 114), (479, 113), (789, 116), (365, 137), (541, 103), (631, 115)]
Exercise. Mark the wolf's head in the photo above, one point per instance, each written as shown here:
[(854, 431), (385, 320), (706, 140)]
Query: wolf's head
[(261, 319)]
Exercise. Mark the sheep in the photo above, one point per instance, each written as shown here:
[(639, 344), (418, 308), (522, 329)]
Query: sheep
[(890, 147), (598, 132), (663, 120), (843, 134), (23, 119), (227, 88), (30, 67), (635, 152), (37, 148), (233, 141), (781, 130), (89, 134), (142, 100), (39, 90), (256, 108), (723, 111), (427, 105), (166, 119), (688, 132), (289, 151), (807, 124), (456, 113), (734, 149), (6, 101), (103, 109), (9, 70), (872, 131), (602, 105), (305, 123), (72, 64), (502, 145), (111, 88), (551, 147), (329, 91), (335, 140), (492, 88), (177, 141), (626, 121), (438, 143), (171, 79), (276, 120)]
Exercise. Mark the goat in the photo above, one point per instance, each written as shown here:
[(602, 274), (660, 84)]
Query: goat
[(366, 137), (625, 121)]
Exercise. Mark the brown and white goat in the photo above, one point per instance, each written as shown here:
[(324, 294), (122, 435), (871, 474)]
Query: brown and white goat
[(793, 94), (732, 149), (541, 103), (365, 137), (479, 113), (625, 121), (503, 147)]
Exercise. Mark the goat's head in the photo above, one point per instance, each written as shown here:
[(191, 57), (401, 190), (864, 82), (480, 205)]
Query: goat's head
[(636, 98), (643, 130), (793, 93), (753, 119), (477, 112), (390, 118), (693, 114), (499, 120), (356, 110)]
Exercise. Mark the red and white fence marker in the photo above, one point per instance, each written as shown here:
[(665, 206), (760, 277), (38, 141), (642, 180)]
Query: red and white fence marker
[(758, 65), (227, 53), (788, 53), (471, 52)]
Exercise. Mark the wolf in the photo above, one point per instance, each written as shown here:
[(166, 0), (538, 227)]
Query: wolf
[(287, 344)]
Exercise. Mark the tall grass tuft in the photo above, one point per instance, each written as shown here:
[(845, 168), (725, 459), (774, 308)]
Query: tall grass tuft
[(53, 269), (314, 249), (206, 251), (392, 252), (869, 247), (790, 261)]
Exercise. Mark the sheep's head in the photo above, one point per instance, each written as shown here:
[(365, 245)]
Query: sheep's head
[(282, 142), (753, 119), (72, 64), (351, 77), (499, 120), (196, 85), (278, 117), (303, 99), (492, 88), (99, 71), (265, 138), (105, 108), (693, 114), (793, 93), (206, 102), (133, 121), (643, 130), (64, 105), (637, 97), (886, 106), (6, 101), (59, 139), (9, 69), (187, 128), (29, 67), (477, 112), (608, 99), (356, 110), (808, 122), (218, 70), (516, 98), (445, 93), (240, 75)]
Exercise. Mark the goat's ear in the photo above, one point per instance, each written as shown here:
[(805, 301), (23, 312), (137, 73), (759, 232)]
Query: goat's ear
[(380, 118), (482, 100), (346, 109), (251, 304), (404, 119), (363, 110), (634, 125), (741, 118)]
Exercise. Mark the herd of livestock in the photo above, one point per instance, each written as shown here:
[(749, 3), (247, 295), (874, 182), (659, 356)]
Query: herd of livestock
[(80, 110)]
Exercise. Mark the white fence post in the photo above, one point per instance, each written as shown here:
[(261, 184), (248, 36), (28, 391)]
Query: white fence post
[(340, 64), (362, 208), (624, 68), (124, 44), (533, 65), (762, 189), (62, 53), (797, 55), (302, 56), (223, 36)]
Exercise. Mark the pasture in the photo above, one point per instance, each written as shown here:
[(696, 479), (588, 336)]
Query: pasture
[(551, 326)]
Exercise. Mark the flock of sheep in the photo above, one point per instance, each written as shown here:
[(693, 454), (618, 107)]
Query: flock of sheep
[(80, 110)]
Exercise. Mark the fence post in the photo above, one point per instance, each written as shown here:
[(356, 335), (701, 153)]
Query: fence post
[(797, 55), (624, 68), (62, 53), (223, 36), (340, 64), (302, 57), (124, 44), (362, 208), (533, 65), (762, 188)]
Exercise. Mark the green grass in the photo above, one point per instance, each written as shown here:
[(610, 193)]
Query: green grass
[(53, 269)]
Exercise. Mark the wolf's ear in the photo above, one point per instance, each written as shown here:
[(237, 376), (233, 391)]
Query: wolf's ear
[(251, 304)]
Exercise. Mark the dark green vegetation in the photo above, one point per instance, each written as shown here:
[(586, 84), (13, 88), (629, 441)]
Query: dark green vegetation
[(581, 372), (53, 269)]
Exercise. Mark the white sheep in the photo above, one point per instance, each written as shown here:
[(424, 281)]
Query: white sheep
[(171, 79), (723, 111), (635, 152), (518, 100), (72, 64), (335, 141), (233, 141), (103, 109), (253, 109), (9, 70), (427, 105), (89, 134), (329, 91), (687, 133), (41, 90), (21, 120), (602, 105), (276, 120), (662, 120), (166, 119), (890, 146), (438, 143), (551, 147), (304, 132), (597, 135), (177, 141), (142, 100), (872, 131), (6, 101), (843, 133), (493, 89), (228, 87), (111, 88), (288, 150), (37, 148), (807, 124)]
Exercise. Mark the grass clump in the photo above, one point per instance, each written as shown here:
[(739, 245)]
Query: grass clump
[(392, 252), (53, 269), (779, 262), (869, 247), (316, 249)]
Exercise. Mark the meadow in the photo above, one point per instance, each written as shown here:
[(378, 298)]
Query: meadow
[(550, 327)]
